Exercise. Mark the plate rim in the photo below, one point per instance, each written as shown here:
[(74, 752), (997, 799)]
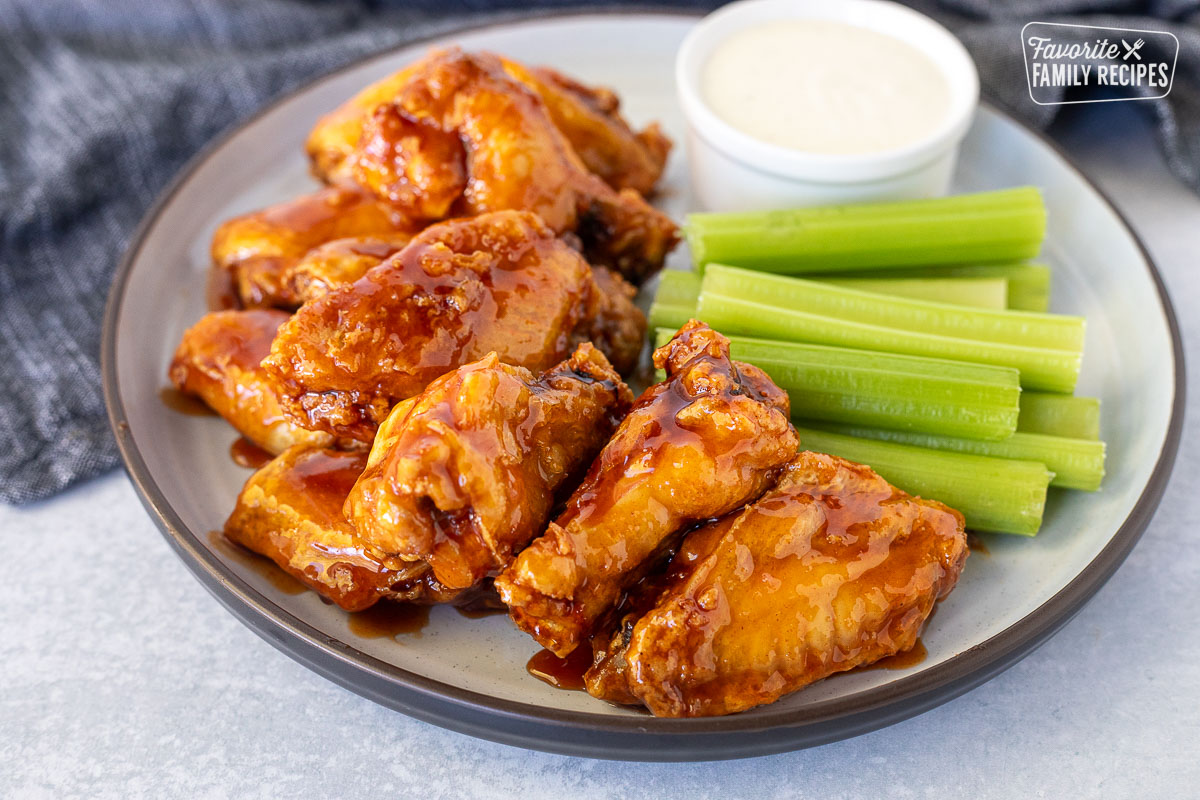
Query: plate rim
[(612, 736)]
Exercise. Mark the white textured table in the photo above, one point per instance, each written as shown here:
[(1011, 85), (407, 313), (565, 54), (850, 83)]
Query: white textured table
[(122, 677)]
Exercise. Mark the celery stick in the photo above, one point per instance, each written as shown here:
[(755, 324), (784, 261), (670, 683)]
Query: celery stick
[(993, 494), (682, 289), (1028, 284), (1076, 463), (1041, 368), (670, 316), (1028, 295), (1060, 415), (1000, 226), (675, 299), (677, 287), (1052, 331), (885, 390), (977, 292)]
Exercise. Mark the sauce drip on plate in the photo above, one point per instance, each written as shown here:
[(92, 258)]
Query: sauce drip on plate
[(977, 545), (220, 292), (388, 620), (909, 658), (184, 403), (246, 453), (561, 673), (478, 612)]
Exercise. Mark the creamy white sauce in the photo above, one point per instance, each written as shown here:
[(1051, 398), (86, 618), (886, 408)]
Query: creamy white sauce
[(825, 87)]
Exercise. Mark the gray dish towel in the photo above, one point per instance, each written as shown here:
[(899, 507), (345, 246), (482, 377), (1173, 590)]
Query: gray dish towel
[(101, 102)]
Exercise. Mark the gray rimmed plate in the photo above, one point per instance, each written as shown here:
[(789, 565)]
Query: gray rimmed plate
[(469, 674)]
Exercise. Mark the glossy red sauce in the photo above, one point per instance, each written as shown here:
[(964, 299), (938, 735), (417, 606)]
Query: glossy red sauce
[(478, 612), (909, 658), (977, 545), (387, 620), (561, 673), (221, 290), (246, 453)]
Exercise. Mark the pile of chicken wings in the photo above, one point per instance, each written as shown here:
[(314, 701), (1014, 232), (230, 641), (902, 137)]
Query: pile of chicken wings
[(432, 346)]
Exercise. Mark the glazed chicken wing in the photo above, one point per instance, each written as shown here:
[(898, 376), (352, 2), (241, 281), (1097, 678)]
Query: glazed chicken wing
[(291, 512), (832, 569), (340, 262), (220, 360), (589, 118), (461, 136), (711, 437), (499, 282), (464, 475), (615, 324), (257, 248)]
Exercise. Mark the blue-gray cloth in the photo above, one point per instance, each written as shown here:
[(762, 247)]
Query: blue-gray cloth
[(101, 102)]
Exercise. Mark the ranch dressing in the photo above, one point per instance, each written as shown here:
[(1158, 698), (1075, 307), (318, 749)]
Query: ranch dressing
[(825, 87)]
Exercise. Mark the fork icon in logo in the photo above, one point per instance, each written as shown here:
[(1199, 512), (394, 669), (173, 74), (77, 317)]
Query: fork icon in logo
[(1132, 50)]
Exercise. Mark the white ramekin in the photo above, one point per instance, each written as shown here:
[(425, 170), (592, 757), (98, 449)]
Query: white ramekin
[(733, 171)]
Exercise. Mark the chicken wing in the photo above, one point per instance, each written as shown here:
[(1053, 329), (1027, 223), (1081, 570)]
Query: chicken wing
[(335, 136), (711, 437), (338, 263), (220, 360), (617, 325), (291, 512), (832, 569), (461, 289), (461, 136), (257, 248), (464, 475), (589, 118)]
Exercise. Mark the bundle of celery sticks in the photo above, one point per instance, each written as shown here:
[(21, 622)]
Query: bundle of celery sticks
[(917, 342)]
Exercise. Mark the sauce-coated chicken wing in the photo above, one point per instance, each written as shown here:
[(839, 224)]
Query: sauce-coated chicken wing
[(464, 475), (589, 117), (461, 136), (220, 360), (617, 326), (340, 262), (259, 247), (499, 282), (832, 569), (711, 437), (291, 512)]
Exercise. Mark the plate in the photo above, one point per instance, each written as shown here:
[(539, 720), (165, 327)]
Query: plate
[(469, 674)]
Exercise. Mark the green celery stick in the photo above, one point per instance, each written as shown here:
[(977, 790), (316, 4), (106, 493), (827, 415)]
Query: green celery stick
[(1060, 415), (670, 316), (1006, 225), (1031, 329), (885, 390), (976, 292), (993, 494), (677, 287), (1041, 368), (1028, 284), (1076, 463), (674, 299)]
